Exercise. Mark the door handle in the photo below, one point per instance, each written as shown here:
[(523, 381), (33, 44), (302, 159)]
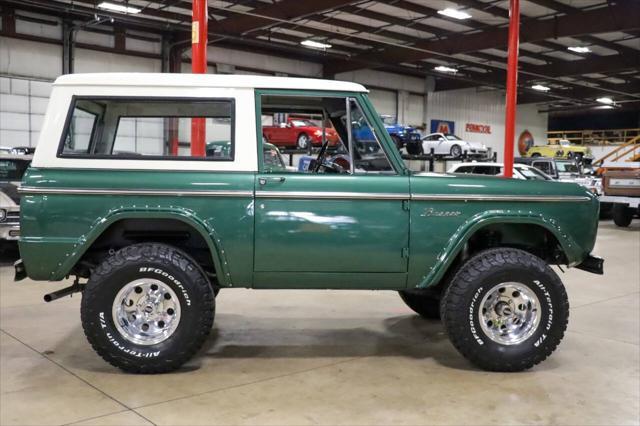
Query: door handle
[(265, 180)]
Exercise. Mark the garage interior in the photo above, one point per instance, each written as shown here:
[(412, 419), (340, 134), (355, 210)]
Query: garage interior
[(329, 357)]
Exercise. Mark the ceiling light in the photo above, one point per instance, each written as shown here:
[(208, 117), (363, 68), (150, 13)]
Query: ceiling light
[(540, 87), (118, 7), (456, 14), (606, 101), (442, 68), (315, 44), (579, 49)]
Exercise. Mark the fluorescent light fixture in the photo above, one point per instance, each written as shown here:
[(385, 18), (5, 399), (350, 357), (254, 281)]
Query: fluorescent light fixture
[(315, 44), (606, 101), (442, 68), (540, 87), (579, 49), (456, 14), (118, 7)]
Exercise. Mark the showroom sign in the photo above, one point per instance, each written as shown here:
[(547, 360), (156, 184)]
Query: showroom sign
[(443, 126), (478, 128)]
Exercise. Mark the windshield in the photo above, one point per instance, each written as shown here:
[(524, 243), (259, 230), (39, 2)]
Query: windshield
[(531, 173), (12, 169), (389, 120), (452, 137), (302, 123), (567, 167)]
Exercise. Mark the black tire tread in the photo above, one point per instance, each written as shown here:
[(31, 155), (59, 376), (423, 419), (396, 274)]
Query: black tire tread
[(150, 252), (427, 306), (452, 302)]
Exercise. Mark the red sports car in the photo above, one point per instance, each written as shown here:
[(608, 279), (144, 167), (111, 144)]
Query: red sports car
[(298, 132)]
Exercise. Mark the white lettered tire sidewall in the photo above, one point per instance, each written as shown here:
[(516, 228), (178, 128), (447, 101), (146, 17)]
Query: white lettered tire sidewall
[(546, 309), (461, 304), (175, 270)]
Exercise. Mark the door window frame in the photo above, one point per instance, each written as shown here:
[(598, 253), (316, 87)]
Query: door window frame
[(373, 119)]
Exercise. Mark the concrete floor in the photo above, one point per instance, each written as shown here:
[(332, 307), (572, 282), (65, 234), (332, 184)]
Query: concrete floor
[(330, 358)]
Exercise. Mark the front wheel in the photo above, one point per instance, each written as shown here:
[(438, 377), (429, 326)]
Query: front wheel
[(535, 155), (147, 308), (456, 151), (505, 310)]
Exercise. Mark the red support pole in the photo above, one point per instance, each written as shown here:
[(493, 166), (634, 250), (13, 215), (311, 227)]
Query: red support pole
[(512, 87), (198, 66)]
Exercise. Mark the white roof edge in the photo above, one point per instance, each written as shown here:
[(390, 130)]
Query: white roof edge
[(205, 80)]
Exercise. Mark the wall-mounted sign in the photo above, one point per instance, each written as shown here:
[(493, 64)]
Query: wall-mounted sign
[(478, 128), (443, 126), (525, 141)]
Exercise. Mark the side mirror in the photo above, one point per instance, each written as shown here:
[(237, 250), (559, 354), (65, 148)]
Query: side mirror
[(283, 125), (440, 139)]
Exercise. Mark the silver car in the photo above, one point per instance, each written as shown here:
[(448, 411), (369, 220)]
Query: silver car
[(450, 144)]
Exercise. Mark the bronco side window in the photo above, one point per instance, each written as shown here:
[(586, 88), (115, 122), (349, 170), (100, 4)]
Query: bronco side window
[(318, 134), (147, 128)]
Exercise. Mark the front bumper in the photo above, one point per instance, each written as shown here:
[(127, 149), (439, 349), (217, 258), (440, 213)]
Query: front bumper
[(10, 231)]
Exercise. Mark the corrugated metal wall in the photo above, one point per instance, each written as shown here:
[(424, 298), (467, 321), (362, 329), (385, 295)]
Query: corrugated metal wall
[(470, 106)]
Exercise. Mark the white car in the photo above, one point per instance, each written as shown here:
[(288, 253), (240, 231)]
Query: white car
[(449, 144), (520, 171)]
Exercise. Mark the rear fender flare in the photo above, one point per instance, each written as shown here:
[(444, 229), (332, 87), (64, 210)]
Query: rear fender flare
[(187, 216)]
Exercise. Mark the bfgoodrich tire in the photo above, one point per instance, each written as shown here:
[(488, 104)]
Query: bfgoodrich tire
[(424, 304), (505, 310), (147, 308)]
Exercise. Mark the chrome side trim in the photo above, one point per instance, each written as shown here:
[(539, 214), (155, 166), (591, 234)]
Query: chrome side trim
[(516, 198), (152, 192), (307, 195), (313, 195)]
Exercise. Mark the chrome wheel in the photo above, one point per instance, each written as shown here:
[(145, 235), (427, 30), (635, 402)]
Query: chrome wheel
[(146, 311), (303, 141), (509, 313)]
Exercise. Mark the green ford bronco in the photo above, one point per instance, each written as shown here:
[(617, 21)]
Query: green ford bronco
[(153, 226)]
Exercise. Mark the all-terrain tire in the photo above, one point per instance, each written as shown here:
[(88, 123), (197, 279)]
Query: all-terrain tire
[(461, 310), (424, 304), (622, 215), (173, 269)]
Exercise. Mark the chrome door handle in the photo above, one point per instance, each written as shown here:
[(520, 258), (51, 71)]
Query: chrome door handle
[(265, 180)]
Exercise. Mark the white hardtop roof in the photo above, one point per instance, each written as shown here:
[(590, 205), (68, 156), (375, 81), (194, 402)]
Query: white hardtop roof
[(479, 163), (205, 80)]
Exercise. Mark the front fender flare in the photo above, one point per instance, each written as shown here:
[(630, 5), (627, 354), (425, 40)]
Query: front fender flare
[(464, 232)]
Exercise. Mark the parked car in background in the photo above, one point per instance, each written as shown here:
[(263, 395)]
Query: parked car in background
[(564, 171), (447, 144), (270, 154), (298, 133), (12, 168), (562, 149), (520, 171), (400, 133), (621, 187)]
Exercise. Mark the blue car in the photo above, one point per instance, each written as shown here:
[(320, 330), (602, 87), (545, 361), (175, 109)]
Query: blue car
[(400, 134)]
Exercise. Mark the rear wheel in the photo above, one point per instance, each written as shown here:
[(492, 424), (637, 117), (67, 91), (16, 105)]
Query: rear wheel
[(414, 148), (535, 154), (423, 303), (505, 310), (622, 215), (303, 141), (147, 308)]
